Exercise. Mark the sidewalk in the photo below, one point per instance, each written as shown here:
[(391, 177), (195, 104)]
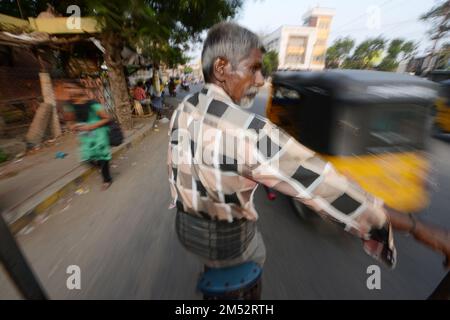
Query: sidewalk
[(30, 185)]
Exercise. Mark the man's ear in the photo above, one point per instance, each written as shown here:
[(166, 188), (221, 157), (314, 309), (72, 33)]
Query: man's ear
[(221, 66)]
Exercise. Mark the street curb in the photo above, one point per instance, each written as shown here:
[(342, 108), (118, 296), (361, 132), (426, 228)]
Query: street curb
[(27, 211)]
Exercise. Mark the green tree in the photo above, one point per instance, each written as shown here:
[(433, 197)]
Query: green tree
[(442, 62), (398, 49), (366, 54), (439, 17), (270, 62), (23, 9), (338, 52), (160, 28)]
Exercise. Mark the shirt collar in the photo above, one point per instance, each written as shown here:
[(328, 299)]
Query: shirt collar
[(218, 91)]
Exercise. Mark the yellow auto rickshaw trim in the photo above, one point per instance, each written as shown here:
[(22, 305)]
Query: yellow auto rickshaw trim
[(397, 178), (443, 115)]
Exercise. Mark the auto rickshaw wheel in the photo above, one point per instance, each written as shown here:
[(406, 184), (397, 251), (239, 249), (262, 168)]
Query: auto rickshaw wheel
[(303, 211)]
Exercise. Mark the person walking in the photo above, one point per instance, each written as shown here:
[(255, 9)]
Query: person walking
[(90, 120)]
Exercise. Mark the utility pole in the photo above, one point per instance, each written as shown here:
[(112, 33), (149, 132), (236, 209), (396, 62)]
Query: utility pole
[(20, 9), (17, 267)]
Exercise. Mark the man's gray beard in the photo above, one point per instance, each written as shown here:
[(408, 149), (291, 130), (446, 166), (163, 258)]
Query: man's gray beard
[(246, 102), (248, 98)]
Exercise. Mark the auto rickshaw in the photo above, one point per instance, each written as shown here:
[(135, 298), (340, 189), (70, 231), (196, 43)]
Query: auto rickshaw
[(441, 123), (372, 126)]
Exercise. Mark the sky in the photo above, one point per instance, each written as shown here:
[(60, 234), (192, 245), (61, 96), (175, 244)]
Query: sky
[(358, 19)]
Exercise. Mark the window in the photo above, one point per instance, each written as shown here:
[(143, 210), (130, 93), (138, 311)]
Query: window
[(297, 41), (282, 93), (294, 59), (311, 22), (396, 127), (295, 51)]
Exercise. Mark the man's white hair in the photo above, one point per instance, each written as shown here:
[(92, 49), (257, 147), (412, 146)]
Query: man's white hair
[(230, 41)]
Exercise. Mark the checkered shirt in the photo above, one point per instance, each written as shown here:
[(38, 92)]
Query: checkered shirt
[(219, 153)]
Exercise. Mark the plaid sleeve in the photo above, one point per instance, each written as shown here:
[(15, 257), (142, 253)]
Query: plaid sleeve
[(171, 164), (278, 161)]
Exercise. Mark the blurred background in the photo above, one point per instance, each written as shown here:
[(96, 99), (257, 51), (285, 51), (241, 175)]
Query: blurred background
[(366, 86)]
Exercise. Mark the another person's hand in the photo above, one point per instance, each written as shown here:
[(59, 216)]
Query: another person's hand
[(73, 127), (434, 237), (400, 221)]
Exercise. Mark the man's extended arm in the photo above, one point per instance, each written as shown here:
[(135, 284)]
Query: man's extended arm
[(297, 171), (278, 161)]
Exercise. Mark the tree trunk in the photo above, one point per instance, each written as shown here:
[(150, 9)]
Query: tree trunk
[(49, 98), (156, 83), (113, 47), (46, 114), (39, 125)]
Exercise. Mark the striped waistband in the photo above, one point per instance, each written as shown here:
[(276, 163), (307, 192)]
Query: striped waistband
[(214, 240)]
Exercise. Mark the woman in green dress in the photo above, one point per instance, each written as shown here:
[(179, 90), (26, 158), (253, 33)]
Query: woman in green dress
[(90, 120)]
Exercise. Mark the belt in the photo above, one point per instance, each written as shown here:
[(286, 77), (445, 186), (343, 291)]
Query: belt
[(214, 240)]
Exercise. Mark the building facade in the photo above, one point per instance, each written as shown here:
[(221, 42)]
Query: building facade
[(302, 47)]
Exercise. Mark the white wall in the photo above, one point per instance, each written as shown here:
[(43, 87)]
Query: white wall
[(271, 37), (288, 31)]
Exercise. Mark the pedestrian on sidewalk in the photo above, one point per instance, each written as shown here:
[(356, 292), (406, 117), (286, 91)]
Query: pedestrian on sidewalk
[(141, 99), (157, 96), (139, 92), (90, 120)]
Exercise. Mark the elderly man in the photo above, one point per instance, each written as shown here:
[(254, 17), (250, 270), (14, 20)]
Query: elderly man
[(219, 153)]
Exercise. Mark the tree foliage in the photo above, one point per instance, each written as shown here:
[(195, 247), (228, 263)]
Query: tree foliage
[(442, 62), (160, 28), (366, 54), (398, 49), (439, 17), (29, 8), (338, 52), (270, 62)]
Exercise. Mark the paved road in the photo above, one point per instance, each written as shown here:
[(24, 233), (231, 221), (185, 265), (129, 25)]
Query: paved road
[(124, 242)]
